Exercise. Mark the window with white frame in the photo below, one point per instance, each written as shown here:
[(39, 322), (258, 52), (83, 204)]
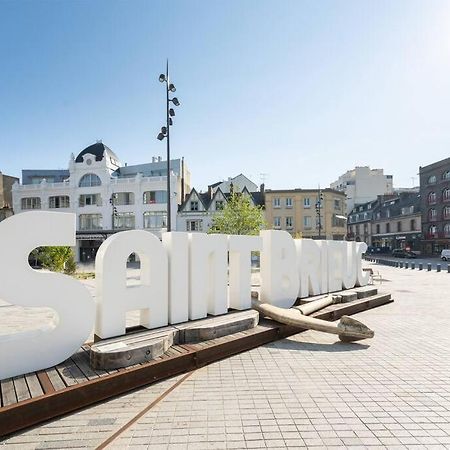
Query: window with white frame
[(150, 197), (90, 200), (432, 214), (306, 202), (447, 230), (446, 212), (194, 206), (289, 222), (31, 203), (288, 202), (432, 198), (276, 202), (446, 195), (219, 205), (432, 179), (124, 198), (124, 221), (155, 220), (307, 222), (446, 175), (59, 201), (277, 222), (90, 222), (194, 225), (90, 180)]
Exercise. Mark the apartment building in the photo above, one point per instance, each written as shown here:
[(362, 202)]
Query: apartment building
[(196, 213), (6, 184), (295, 211), (396, 222), (363, 184), (106, 195), (435, 203)]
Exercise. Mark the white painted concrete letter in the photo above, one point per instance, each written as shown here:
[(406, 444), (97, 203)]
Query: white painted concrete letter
[(362, 278), (21, 285), (349, 265), (115, 298), (309, 267), (335, 265), (240, 248), (208, 275), (177, 247), (279, 276)]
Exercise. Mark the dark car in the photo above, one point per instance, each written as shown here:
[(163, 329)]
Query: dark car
[(400, 253)]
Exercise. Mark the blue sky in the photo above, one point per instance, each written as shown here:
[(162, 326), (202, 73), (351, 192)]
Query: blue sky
[(299, 90)]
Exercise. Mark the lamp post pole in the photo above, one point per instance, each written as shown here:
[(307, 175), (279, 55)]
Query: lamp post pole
[(165, 133), (169, 191)]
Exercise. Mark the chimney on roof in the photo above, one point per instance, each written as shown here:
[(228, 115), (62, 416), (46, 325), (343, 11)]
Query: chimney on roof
[(159, 158), (261, 188), (153, 159)]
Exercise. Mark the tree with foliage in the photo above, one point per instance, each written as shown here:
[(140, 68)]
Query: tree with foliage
[(56, 259), (239, 216)]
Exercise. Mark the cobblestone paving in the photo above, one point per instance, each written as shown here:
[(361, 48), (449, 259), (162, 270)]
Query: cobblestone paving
[(306, 391)]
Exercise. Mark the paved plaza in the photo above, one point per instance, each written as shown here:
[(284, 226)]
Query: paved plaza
[(305, 391)]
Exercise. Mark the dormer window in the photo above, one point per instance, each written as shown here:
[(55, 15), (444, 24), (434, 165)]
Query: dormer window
[(194, 205)]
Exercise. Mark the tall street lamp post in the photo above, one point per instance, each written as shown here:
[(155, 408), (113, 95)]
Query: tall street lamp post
[(319, 212), (165, 133)]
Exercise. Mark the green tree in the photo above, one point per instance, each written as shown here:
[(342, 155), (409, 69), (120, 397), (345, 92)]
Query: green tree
[(239, 216), (56, 258)]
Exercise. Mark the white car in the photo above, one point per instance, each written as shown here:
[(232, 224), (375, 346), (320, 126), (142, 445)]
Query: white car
[(445, 255)]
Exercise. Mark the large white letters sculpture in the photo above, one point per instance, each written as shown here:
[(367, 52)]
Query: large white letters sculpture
[(183, 277), (21, 285)]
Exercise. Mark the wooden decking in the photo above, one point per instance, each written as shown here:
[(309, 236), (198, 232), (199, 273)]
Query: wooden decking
[(35, 397)]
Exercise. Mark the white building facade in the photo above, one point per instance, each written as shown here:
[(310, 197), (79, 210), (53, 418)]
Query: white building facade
[(196, 213), (106, 196), (362, 185)]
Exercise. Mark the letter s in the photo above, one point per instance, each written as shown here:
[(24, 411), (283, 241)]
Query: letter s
[(21, 285)]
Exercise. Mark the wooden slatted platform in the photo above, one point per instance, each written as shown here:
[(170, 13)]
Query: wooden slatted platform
[(32, 398)]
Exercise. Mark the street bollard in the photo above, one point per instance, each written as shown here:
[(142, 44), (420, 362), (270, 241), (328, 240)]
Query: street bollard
[(429, 267), (413, 266), (401, 265), (420, 266), (406, 265), (448, 268), (397, 264), (438, 267)]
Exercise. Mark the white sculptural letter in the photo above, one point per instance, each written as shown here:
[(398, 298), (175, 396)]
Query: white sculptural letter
[(115, 298), (21, 285), (240, 248), (349, 265), (177, 246), (309, 267), (335, 265), (208, 275), (362, 277), (279, 274)]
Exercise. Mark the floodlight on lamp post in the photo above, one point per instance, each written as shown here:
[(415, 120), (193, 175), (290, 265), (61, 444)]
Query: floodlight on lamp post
[(165, 132)]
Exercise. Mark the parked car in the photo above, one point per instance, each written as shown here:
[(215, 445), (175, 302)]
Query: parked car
[(445, 255), (401, 253)]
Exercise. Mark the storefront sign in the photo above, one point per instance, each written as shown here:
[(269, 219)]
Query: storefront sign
[(184, 277)]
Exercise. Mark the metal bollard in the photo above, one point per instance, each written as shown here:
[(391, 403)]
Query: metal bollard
[(429, 267), (397, 264), (413, 266), (406, 265), (438, 267), (420, 266), (401, 265), (448, 268)]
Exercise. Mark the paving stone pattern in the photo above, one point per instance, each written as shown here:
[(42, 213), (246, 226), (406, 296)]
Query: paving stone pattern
[(308, 391)]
